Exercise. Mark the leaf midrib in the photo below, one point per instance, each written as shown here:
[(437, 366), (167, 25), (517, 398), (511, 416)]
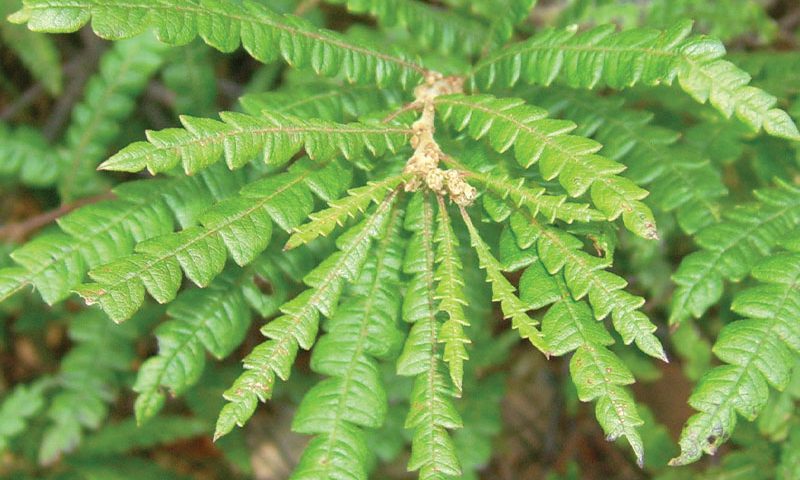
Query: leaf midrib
[(206, 233), (218, 137), (244, 19)]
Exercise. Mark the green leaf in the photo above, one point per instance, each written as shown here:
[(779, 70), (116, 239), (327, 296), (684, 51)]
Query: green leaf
[(535, 199), (616, 410), (433, 28), (340, 211), (27, 156), (215, 319), (431, 411), (503, 15), (677, 175), (758, 351), (36, 51), (108, 100), (55, 263), (729, 249), (603, 57), (189, 74), (511, 123), (298, 325), (224, 24), (353, 396), (240, 225), (585, 276), (331, 101), (505, 293), (272, 137), (599, 374), (451, 297), (19, 406), (88, 380)]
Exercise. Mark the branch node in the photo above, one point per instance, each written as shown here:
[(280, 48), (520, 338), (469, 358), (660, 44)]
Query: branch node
[(424, 163)]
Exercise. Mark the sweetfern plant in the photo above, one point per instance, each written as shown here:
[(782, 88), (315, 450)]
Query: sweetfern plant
[(409, 191)]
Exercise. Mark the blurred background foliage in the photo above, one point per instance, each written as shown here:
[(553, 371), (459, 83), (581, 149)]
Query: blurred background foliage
[(66, 373)]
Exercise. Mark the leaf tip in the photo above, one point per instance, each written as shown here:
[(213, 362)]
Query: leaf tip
[(19, 17)]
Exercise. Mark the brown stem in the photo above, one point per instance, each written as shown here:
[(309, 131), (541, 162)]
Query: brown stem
[(17, 232), (305, 6)]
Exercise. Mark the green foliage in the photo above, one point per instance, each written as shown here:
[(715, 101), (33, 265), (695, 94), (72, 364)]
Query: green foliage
[(504, 293), (215, 320), (361, 213), (242, 224), (432, 28), (242, 138), (299, 322), (88, 380), (109, 98), (189, 74), (341, 210), (451, 297), (264, 33), (724, 19), (677, 175), (26, 156), (730, 248), (18, 407), (536, 139), (600, 57), (362, 329), (37, 51), (432, 411), (598, 373), (55, 263), (758, 352)]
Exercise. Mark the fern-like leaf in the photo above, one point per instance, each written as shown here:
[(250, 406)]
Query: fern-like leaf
[(600, 56), (109, 98), (585, 275), (297, 327), (758, 352), (224, 24), (503, 292), (27, 156), (535, 138), (451, 297), (432, 411), (535, 199), (55, 263), (598, 373), (340, 211), (215, 320), (678, 177), (504, 16), (36, 51), (189, 74), (18, 407), (241, 225), (363, 328), (730, 249), (88, 378), (239, 138), (324, 100), (445, 31)]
